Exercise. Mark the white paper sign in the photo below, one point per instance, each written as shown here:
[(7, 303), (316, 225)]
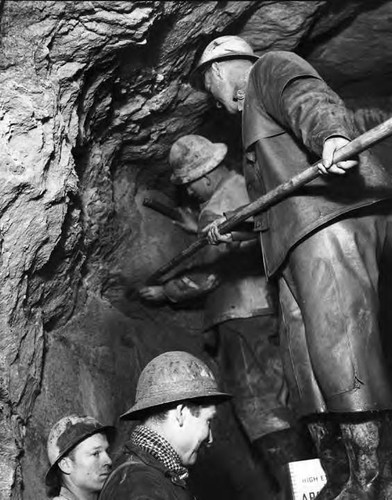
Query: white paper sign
[(307, 478)]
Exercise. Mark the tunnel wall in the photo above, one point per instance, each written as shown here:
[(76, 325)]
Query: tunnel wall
[(92, 96)]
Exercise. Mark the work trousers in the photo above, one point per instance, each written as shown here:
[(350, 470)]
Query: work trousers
[(335, 357), (251, 369)]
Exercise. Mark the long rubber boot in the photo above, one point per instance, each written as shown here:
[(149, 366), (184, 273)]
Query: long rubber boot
[(362, 442), (328, 442), (385, 458), (279, 448)]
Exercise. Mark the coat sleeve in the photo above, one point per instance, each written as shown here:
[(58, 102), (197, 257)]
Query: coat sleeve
[(213, 255), (296, 96), (210, 260)]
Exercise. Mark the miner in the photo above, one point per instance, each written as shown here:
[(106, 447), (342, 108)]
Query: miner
[(78, 456), (239, 305), (176, 398), (325, 244)]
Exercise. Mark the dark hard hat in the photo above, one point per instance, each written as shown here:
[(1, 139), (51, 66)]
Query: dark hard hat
[(193, 156), (222, 48), (173, 377), (66, 434)]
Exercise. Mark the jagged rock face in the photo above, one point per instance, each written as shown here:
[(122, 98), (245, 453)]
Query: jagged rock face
[(92, 96)]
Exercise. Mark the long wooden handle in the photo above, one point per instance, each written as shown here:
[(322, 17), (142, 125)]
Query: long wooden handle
[(163, 209), (353, 148)]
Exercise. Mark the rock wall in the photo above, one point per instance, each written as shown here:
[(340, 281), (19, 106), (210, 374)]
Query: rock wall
[(93, 93)]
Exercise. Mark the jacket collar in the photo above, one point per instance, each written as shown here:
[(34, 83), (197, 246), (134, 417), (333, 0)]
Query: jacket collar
[(256, 122), (150, 461), (219, 188), (65, 493)]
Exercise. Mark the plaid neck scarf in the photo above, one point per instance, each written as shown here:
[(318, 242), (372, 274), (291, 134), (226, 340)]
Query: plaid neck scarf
[(151, 442)]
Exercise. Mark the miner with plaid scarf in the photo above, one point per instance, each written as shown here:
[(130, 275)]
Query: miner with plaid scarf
[(176, 398)]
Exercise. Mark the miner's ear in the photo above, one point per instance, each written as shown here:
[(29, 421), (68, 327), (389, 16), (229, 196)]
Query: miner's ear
[(216, 69), (64, 465), (180, 414)]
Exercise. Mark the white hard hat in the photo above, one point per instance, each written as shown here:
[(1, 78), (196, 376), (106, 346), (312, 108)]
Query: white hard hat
[(193, 156), (220, 49)]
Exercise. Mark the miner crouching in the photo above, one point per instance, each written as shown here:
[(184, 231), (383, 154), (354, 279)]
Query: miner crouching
[(240, 307)]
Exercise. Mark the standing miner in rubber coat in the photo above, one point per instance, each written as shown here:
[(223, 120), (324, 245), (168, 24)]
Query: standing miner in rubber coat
[(239, 304), (325, 244), (176, 398)]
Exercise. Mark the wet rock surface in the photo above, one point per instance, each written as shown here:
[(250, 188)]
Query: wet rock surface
[(93, 94)]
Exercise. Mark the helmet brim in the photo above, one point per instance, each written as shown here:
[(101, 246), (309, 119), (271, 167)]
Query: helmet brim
[(196, 77), (140, 409), (191, 175)]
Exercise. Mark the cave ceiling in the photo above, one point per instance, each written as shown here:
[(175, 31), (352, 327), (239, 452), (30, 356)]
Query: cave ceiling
[(122, 67), (137, 100)]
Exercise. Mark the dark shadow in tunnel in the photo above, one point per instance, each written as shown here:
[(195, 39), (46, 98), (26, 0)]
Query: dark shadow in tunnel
[(332, 8)]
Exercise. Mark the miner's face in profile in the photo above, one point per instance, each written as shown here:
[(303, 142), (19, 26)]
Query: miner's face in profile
[(88, 465), (220, 83), (200, 189)]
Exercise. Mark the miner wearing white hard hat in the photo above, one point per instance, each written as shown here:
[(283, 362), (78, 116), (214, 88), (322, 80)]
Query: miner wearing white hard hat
[(175, 404), (224, 48), (325, 244), (78, 456)]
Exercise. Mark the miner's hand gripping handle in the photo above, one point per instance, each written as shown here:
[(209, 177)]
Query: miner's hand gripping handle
[(353, 148)]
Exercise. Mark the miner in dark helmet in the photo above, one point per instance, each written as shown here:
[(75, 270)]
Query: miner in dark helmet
[(78, 456), (176, 398)]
